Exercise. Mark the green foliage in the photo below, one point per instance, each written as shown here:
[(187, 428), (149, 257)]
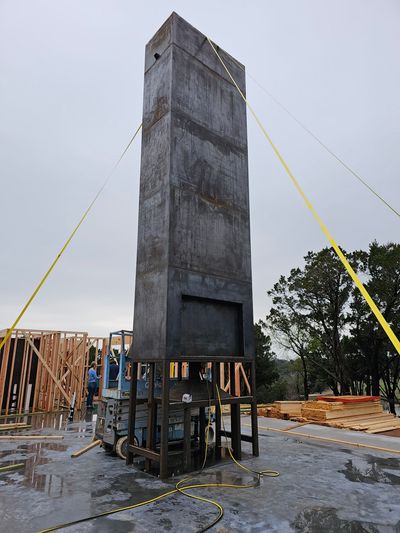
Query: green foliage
[(309, 317), (381, 268), (319, 316), (266, 371), (276, 391)]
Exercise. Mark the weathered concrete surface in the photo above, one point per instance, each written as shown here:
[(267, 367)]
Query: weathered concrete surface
[(193, 296), (322, 488), (355, 437)]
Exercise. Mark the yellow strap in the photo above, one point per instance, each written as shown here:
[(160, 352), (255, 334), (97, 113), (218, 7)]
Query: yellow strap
[(53, 264), (388, 330), (321, 143)]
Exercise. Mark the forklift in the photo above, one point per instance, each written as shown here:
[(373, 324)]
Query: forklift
[(113, 407)]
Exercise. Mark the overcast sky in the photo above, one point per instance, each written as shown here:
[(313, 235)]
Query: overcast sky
[(71, 82)]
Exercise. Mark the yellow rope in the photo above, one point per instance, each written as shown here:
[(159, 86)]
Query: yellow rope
[(53, 264), (321, 143), (261, 473), (152, 500), (388, 330)]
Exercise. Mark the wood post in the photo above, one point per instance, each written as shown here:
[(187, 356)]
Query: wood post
[(47, 381), (236, 442), (254, 418)]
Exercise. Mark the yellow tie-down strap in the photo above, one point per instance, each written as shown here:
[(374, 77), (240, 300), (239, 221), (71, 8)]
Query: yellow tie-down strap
[(388, 330), (53, 264)]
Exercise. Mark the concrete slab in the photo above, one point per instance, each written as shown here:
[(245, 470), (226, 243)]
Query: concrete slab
[(323, 433), (322, 487)]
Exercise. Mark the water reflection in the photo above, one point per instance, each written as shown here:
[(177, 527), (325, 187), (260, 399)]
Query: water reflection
[(84, 424), (33, 456), (59, 421), (376, 470)]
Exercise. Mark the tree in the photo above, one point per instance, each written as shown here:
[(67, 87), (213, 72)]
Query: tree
[(310, 315), (320, 316), (266, 373), (381, 269), (287, 323)]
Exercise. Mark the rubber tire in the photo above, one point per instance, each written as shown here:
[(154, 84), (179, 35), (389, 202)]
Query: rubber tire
[(210, 435), (121, 447), (107, 447)]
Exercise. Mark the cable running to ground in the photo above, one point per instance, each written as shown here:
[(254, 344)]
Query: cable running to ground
[(320, 142), (28, 303), (180, 488), (381, 319)]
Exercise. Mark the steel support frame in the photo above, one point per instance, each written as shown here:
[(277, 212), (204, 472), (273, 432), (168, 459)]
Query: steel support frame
[(160, 454)]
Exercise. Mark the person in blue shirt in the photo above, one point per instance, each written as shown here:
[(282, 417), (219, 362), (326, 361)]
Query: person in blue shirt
[(92, 384)]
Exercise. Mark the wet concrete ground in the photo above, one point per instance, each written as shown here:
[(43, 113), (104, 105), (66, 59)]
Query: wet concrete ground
[(322, 487)]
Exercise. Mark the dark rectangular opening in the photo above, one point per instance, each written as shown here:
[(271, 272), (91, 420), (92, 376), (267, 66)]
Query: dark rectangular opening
[(210, 328)]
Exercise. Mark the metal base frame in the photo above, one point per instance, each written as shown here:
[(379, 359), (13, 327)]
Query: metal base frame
[(160, 454)]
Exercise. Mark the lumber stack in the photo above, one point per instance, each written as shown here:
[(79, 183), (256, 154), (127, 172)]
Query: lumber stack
[(360, 413), (289, 408), (14, 426), (284, 409)]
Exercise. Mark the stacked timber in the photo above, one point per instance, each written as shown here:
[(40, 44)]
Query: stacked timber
[(14, 426), (284, 409), (360, 413), (289, 408)]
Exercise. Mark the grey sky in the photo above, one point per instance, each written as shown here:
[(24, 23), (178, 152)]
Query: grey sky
[(71, 81)]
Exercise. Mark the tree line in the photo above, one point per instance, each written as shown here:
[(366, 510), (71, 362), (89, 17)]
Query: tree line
[(321, 319)]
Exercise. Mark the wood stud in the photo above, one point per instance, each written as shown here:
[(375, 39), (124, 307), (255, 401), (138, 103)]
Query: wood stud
[(54, 363)]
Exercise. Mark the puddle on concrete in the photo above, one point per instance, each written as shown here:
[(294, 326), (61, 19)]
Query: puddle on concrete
[(83, 421), (375, 470), (36, 454), (127, 485), (32, 455), (83, 425), (4, 453), (319, 520), (348, 451), (386, 462)]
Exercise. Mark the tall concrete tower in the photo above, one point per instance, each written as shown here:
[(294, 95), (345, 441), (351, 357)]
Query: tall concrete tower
[(193, 297)]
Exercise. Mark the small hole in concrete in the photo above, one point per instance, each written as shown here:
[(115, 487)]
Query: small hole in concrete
[(156, 56)]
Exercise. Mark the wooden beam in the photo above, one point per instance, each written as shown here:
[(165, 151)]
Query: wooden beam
[(11, 375), (245, 378), (31, 437), (327, 439), (4, 367), (15, 427), (12, 467), (86, 448), (150, 454), (50, 372), (237, 379), (382, 429), (227, 386)]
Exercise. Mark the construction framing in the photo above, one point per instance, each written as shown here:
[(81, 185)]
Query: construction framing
[(44, 370)]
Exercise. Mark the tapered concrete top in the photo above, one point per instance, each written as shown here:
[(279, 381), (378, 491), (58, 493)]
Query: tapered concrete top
[(178, 31)]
